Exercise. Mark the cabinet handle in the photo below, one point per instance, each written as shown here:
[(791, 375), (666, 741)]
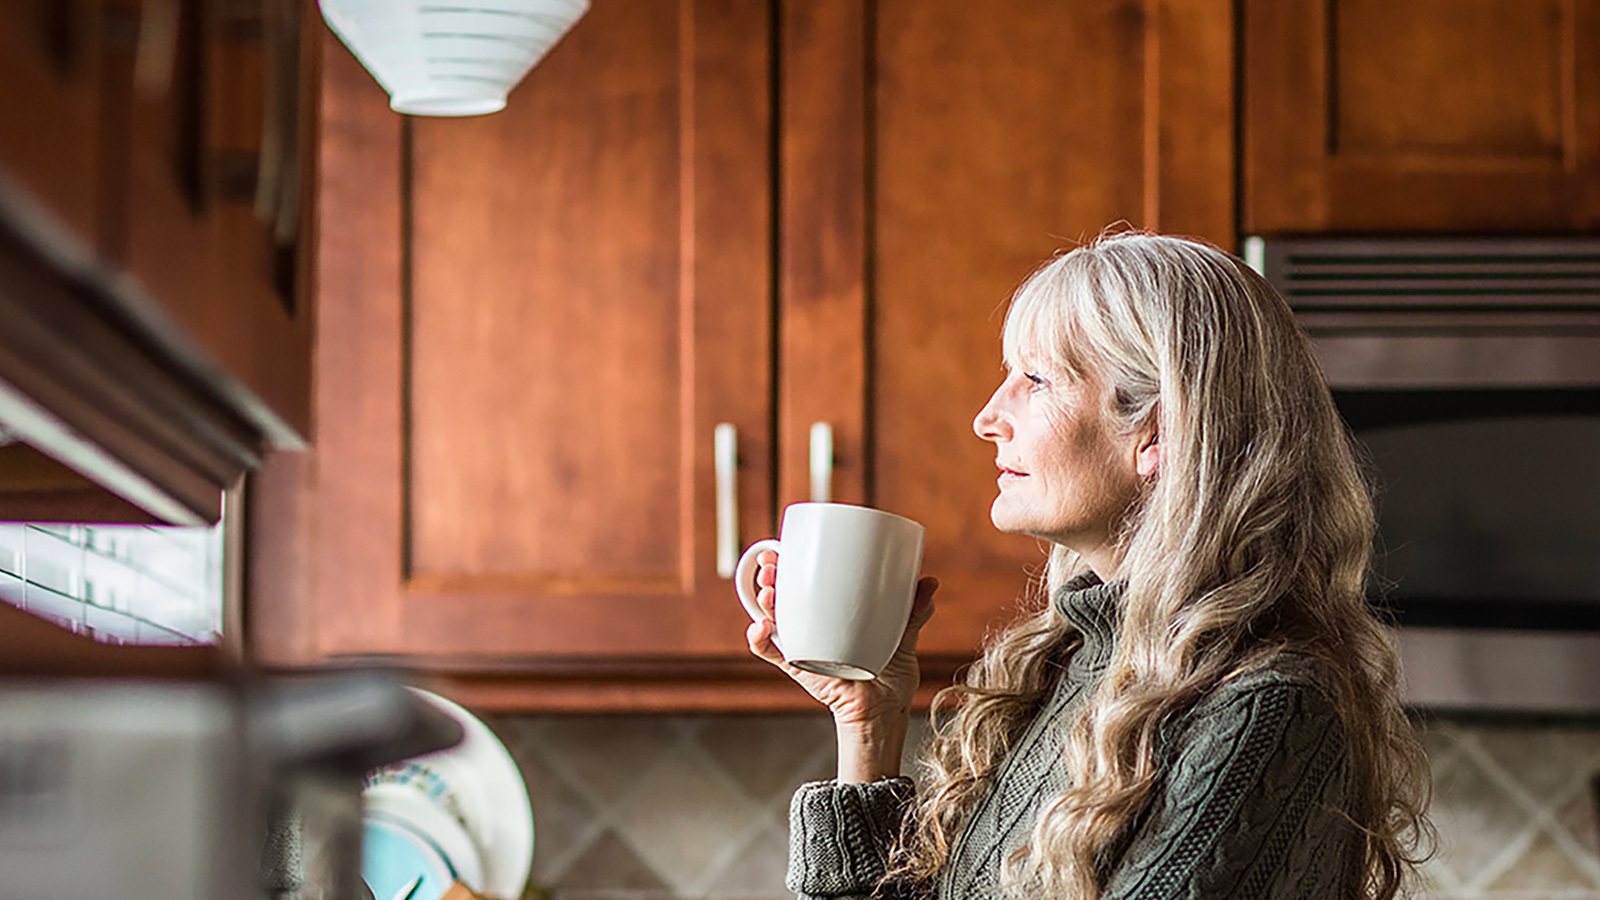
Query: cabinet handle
[(170, 68), (277, 199), (725, 453), (821, 462), (156, 55)]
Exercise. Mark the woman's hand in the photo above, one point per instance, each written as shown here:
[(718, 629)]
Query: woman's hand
[(871, 717)]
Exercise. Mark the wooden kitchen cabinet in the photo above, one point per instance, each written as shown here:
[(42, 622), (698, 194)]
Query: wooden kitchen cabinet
[(529, 326), (1421, 116), (530, 323), (215, 132), (50, 120), (935, 154), (152, 283), (37, 488)]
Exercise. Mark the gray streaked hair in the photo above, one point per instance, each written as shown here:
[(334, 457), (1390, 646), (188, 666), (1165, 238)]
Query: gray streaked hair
[(1251, 540)]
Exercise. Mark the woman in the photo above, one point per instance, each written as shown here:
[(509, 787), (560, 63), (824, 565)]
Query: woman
[(1204, 705)]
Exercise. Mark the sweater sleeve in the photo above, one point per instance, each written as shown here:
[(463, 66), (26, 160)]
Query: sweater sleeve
[(840, 836), (1253, 806)]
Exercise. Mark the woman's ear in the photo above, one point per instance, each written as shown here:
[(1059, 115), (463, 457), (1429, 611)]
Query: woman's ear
[(1147, 458)]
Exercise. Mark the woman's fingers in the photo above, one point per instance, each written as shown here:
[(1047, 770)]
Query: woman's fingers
[(922, 602), (759, 636), (766, 581), (921, 611)]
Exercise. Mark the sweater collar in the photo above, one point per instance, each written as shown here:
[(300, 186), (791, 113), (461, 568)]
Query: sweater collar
[(1095, 609)]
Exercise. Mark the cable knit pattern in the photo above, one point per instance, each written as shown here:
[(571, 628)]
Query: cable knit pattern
[(1246, 800), (1252, 803), (842, 833), (1028, 778)]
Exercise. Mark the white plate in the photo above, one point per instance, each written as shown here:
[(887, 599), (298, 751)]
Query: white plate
[(400, 807), (477, 784), (396, 861)]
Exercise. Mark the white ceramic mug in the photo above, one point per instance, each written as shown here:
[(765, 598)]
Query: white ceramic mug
[(846, 579)]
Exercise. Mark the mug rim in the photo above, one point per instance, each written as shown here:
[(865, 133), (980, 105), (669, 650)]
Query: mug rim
[(856, 506)]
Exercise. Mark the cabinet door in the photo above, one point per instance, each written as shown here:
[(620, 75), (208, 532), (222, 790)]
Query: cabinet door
[(261, 117), (50, 127), (1421, 115), (914, 201), (529, 325), (210, 271)]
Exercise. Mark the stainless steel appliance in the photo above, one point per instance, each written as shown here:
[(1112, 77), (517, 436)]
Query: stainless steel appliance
[(1469, 368)]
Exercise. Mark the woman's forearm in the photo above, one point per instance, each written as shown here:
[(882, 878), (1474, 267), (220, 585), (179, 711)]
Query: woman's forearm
[(871, 751)]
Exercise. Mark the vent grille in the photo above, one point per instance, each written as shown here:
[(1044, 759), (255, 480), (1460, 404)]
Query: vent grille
[(1400, 276), (1443, 312)]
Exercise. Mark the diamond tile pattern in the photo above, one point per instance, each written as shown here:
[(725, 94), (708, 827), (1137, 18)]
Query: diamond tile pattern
[(765, 755), (1477, 821), (757, 869), (1543, 867), (686, 816), (696, 807), (567, 825), (1565, 756), (610, 865), (606, 756)]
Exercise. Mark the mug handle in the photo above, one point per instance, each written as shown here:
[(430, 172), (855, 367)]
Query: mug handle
[(744, 576)]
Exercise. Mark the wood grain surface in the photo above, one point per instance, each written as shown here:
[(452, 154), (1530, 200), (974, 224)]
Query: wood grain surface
[(1422, 116)]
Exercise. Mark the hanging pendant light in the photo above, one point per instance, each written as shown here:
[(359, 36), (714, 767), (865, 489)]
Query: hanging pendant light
[(450, 57)]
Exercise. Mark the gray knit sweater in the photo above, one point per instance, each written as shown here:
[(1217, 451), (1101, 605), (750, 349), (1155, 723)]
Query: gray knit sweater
[(1252, 801)]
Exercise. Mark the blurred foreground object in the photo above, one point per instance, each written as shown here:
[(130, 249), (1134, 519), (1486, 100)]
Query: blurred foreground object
[(450, 60), (159, 774), (459, 815)]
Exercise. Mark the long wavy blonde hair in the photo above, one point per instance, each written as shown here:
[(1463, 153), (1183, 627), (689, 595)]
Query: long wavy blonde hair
[(1252, 540)]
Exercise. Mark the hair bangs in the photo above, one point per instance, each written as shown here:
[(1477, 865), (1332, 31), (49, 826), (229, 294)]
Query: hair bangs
[(1042, 327)]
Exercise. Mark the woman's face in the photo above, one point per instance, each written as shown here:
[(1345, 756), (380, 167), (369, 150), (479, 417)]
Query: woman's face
[(1066, 475)]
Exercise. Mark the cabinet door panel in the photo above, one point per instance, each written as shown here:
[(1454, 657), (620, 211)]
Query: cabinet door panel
[(1003, 135), (546, 379), (206, 275), (995, 135), (262, 144), (1430, 115), (164, 232), (517, 404), (50, 130)]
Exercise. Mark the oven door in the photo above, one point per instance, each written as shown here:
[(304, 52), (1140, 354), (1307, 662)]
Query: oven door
[(1488, 553)]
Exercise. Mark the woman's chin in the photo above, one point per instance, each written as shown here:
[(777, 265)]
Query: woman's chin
[(1008, 520)]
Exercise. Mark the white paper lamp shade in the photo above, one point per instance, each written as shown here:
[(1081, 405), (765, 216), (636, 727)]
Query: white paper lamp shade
[(450, 57)]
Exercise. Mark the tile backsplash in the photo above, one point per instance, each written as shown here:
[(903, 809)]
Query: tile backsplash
[(1516, 811), (126, 584), (635, 807)]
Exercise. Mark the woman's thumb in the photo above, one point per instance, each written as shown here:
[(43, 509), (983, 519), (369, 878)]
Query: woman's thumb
[(922, 605)]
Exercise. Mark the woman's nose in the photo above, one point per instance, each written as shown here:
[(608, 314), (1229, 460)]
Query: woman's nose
[(989, 424)]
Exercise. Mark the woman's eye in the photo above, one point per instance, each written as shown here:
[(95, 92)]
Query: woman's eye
[(1038, 382)]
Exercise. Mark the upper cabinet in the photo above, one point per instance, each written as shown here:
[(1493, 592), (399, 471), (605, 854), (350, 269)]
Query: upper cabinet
[(52, 57), (153, 223), (211, 198), (933, 154), (531, 326), (714, 212), (1423, 115)]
